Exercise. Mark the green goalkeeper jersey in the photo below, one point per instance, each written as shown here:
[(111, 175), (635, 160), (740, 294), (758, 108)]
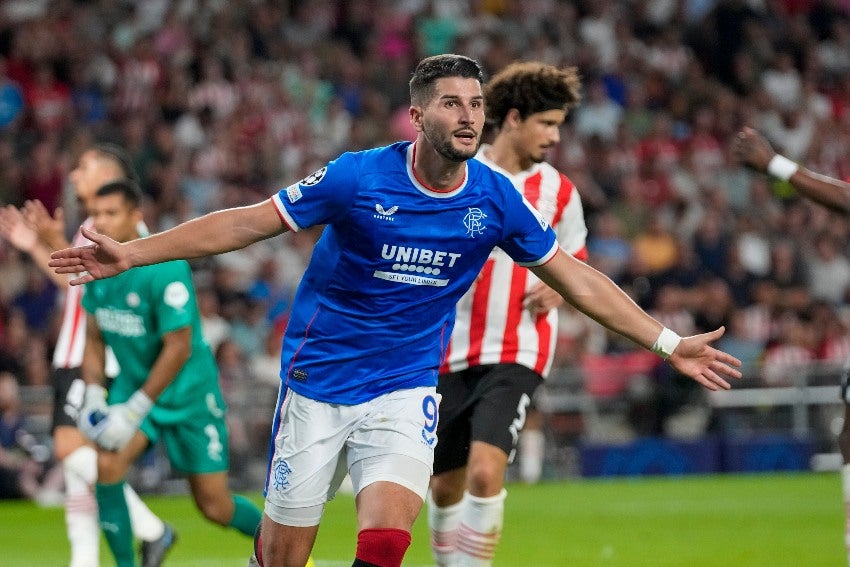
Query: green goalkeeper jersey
[(134, 310)]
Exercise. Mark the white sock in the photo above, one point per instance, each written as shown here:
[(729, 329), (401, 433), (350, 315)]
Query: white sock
[(146, 525), (845, 484), (443, 524), (532, 447), (480, 530), (81, 520)]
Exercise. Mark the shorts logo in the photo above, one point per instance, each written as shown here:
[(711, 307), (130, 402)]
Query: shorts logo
[(212, 406), (429, 440), (280, 475), (314, 177), (215, 446), (473, 221)]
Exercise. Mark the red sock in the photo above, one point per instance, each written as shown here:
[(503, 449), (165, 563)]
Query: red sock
[(384, 547), (258, 545)]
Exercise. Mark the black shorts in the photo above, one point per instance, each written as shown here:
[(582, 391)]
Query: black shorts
[(483, 403), (62, 380)]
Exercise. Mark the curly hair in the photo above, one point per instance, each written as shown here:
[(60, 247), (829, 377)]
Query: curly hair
[(530, 87)]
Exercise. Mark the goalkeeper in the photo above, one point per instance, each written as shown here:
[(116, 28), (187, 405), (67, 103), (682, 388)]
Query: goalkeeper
[(167, 388)]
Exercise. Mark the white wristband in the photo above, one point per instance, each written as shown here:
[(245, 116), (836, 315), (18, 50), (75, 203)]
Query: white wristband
[(666, 343), (781, 167)]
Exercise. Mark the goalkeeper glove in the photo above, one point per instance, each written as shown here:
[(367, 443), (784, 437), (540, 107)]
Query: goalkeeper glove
[(122, 421), (92, 411)]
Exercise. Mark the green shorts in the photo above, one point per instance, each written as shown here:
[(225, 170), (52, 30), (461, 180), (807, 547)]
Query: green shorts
[(195, 437)]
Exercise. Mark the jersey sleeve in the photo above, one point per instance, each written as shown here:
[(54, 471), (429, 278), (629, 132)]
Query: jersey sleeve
[(528, 238), (571, 228), (320, 198), (173, 297)]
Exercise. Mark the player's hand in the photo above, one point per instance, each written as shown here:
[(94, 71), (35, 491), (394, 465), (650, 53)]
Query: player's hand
[(753, 149), (696, 358), (93, 410), (103, 259), (541, 299), (50, 229), (122, 421), (15, 229)]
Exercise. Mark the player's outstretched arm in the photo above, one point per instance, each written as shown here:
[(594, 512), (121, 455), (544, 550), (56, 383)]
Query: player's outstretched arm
[(755, 151), (221, 231), (597, 296)]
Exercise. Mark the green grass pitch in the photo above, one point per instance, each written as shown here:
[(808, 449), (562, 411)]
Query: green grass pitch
[(725, 520)]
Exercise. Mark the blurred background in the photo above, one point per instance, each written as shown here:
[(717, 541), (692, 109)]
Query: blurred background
[(222, 103)]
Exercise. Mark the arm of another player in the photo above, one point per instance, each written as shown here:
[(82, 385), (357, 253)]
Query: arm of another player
[(176, 349), (214, 233), (755, 151), (595, 295), (123, 420)]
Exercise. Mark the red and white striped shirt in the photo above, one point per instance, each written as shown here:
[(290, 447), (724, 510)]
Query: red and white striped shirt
[(72, 334), (71, 341), (491, 325)]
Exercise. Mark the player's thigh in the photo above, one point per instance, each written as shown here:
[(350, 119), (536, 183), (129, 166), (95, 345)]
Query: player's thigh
[(395, 441), (307, 463), (68, 394), (453, 430), (456, 389), (500, 414)]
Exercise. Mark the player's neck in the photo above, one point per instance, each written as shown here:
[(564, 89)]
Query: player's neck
[(502, 154), (435, 171)]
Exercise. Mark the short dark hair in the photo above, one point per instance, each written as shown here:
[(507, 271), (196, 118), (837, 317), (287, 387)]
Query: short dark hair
[(438, 67), (126, 187), (530, 87), (118, 155)]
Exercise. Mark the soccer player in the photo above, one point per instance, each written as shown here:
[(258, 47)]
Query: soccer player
[(755, 151), (36, 233), (166, 389), (506, 325), (408, 228)]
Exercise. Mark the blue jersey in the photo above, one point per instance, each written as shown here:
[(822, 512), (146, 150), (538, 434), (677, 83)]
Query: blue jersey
[(375, 308)]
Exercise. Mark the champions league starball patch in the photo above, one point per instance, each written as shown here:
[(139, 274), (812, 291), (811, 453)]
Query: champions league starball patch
[(314, 177)]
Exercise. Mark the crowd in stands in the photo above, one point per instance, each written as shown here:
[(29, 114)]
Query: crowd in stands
[(221, 103)]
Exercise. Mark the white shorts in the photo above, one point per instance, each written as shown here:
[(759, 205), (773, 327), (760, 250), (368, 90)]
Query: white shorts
[(390, 438)]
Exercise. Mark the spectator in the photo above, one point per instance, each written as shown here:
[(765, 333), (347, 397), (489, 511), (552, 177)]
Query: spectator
[(25, 470)]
